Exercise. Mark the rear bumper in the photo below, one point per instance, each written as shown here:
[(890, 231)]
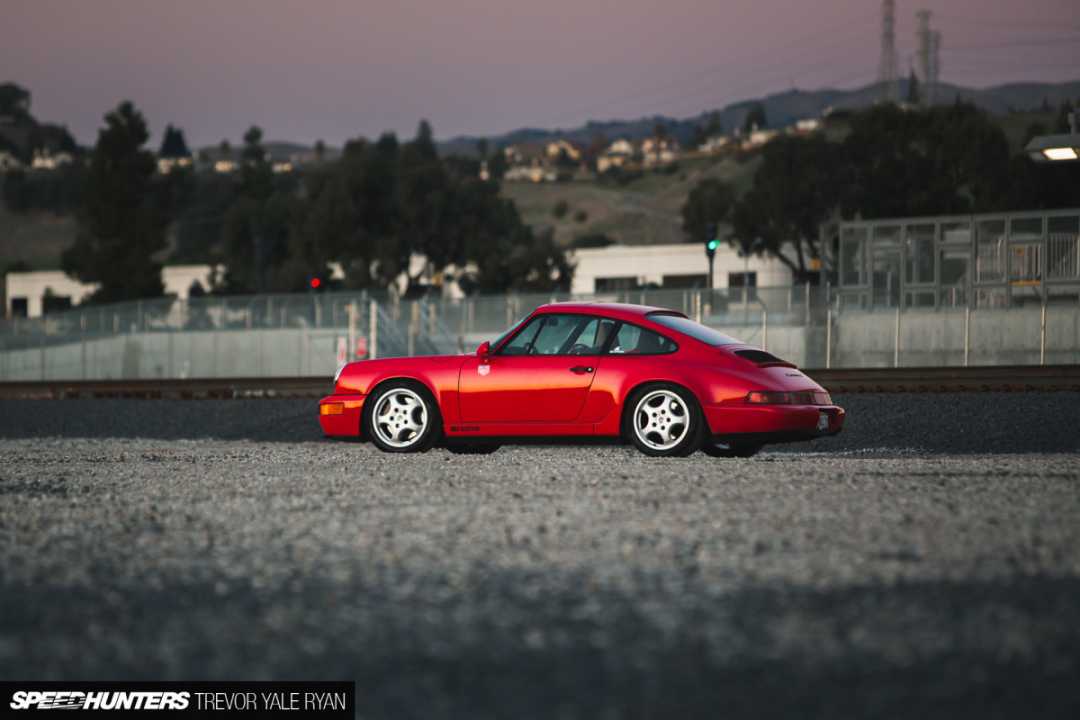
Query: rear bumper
[(339, 415), (773, 423)]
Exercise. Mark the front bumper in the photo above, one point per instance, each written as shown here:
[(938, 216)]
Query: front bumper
[(339, 415), (773, 423)]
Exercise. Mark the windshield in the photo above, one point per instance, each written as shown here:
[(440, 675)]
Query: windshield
[(496, 341), (695, 330)]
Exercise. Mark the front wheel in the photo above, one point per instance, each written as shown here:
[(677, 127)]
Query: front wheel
[(664, 421), (401, 417)]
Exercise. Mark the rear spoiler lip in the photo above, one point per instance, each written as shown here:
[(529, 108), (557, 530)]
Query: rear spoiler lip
[(776, 362)]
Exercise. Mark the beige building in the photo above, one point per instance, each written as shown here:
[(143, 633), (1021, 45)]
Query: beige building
[(678, 265)]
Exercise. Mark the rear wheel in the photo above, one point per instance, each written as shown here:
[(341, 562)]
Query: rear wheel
[(402, 417), (730, 450), (663, 420)]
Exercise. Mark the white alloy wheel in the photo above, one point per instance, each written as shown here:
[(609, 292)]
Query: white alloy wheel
[(400, 418), (661, 420)]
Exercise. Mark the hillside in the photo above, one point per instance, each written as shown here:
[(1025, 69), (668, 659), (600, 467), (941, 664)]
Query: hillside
[(782, 109), (644, 211)]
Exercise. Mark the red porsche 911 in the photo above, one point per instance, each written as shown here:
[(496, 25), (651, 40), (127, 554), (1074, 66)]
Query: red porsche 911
[(651, 376)]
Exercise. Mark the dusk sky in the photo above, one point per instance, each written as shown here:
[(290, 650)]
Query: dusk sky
[(335, 69)]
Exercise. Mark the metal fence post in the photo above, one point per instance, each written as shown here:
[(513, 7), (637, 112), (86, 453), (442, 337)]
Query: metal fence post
[(350, 312), (373, 330), (1042, 335), (828, 337), (896, 340), (967, 334), (764, 328)]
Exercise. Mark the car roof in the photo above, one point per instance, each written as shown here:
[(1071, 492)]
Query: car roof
[(618, 311)]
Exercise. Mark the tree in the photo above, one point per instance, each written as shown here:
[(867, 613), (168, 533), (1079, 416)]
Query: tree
[(14, 101), (795, 189), (712, 127), (708, 203), (755, 118), (255, 232), (121, 226), (913, 89), (497, 165), (173, 144), (950, 159)]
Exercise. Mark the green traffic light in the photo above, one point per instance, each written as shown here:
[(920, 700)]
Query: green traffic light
[(713, 244)]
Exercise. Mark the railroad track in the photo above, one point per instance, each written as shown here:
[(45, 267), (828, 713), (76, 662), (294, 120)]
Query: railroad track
[(1016, 378)]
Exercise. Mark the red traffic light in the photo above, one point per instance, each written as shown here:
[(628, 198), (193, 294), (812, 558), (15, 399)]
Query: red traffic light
[(315, 283)]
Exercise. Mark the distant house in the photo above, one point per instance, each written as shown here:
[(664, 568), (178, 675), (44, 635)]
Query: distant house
[(46, 160), (657, 151), (530, 173), (714, 144), (8, 162), (562, 148), (166, 165), (757, 138), (618, 154), (807, 125), (225, 166)]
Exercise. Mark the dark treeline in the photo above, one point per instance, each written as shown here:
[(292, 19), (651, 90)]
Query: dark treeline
[(891, 162), (371, 210)]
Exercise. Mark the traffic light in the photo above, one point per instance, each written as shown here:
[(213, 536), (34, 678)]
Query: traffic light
[(711, 244), (315, 283), (711, 241)]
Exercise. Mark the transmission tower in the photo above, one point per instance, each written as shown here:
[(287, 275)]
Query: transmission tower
[(924, 55), (890, 91)]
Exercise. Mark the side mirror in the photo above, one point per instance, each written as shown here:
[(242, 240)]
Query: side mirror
[(484, 350)]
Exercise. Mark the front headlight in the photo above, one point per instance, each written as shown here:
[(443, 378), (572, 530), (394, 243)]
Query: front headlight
[(338, 373)]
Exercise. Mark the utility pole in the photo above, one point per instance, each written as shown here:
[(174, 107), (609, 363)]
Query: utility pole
[(887, 65)]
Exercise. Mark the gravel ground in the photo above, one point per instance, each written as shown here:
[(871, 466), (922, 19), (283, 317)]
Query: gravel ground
[(937, 423), (894, 571)]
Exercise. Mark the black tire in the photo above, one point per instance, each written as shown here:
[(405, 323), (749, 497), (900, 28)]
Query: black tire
[(422, 441), (695, 432), (730, 450)]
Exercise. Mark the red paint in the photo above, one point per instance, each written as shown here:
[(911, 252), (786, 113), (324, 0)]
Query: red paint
[(583, 394)]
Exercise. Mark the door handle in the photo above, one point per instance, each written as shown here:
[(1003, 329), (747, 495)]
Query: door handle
[(581, 369)]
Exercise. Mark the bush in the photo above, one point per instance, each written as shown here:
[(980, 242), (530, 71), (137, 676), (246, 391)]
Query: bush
[(560, 209)]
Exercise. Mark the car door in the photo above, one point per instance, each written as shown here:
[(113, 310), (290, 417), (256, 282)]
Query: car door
[(540, 375)]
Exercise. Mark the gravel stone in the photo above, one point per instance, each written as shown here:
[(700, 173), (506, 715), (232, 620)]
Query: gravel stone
[(897, 570)]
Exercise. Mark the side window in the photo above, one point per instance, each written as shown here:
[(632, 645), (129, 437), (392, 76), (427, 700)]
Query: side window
[(561, 335), (633, 340), (592, 338), (521, 342), (558, 334)]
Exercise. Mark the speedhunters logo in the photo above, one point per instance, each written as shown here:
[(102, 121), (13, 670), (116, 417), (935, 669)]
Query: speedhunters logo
[(101, 700), (139, 699)]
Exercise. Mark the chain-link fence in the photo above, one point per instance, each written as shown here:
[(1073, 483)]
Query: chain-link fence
[(311, 334)]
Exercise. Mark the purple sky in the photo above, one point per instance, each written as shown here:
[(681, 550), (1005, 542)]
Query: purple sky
[(335, 69)]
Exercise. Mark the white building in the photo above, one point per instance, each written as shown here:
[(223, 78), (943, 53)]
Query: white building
[(26, 291), (680, 265)]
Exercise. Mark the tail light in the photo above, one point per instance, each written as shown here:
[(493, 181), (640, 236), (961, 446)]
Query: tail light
[(801, 397)]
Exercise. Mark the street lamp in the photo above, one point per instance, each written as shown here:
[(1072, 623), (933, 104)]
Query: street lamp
[(1056, 148)]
